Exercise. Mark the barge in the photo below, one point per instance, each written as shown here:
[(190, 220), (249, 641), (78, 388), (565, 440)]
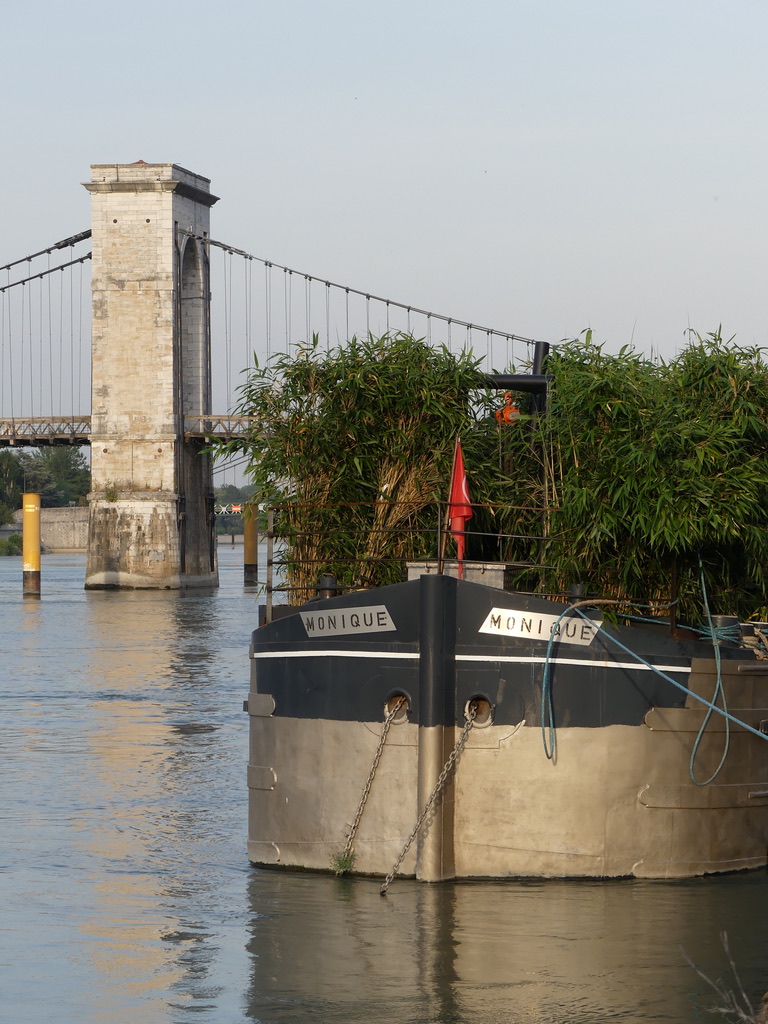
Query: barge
[(446, 728)]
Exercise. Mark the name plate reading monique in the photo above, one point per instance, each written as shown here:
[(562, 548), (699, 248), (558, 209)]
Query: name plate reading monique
[(372, 618), (539, 626)]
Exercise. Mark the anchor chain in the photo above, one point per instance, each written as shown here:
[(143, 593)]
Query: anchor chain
[(447, 768), (346, 857)]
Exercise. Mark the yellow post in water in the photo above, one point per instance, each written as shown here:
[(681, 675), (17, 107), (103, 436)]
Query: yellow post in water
[(250, 545), (30, 551)]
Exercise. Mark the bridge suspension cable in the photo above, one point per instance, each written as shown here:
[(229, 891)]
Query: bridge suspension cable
[(284, 308), (65, 243), (45, 328), (43, 319), (43, 273), (369, 296)]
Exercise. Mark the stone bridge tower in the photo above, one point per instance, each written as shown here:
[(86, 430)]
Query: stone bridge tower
[(151, 502)]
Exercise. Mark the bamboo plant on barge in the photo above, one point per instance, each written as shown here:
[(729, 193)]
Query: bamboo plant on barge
[(638, 468), (356, 445), (663, 463)]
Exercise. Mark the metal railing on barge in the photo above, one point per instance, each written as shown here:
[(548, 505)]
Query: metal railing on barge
[(301, 574), (518, 559)]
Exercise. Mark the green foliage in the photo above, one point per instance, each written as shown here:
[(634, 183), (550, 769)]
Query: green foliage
[(656, 463), (357, 443), (11, 485), (59, 474), (11, 545), (6, 513), (343, 862), (638, 467)]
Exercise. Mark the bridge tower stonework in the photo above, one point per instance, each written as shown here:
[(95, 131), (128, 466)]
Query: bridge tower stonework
[(151, 522)]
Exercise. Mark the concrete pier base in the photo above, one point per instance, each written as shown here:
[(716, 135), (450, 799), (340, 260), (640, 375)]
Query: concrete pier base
[(140, 545)]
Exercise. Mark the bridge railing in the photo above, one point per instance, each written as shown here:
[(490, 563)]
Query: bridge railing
[(220, 426), (33, 431)]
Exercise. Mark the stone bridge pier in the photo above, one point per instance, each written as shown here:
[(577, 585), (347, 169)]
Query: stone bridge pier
[(151, 522)]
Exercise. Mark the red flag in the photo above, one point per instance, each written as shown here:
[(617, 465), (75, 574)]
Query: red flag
[(459, 507)]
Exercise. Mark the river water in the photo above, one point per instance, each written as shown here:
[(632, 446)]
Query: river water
[(127, 896)]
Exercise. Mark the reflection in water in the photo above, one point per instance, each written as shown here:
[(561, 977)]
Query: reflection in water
[(128, 742), (525, 952), (155, 751), (127, 750), (127, 895)]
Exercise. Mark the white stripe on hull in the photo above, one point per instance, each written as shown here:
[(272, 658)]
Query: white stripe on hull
[(482, 658)]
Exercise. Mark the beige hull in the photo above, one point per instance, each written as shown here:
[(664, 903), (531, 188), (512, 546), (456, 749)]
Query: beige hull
[(618, 801)]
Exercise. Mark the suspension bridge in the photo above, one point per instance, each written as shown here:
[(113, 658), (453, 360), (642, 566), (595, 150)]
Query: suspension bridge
[(132, 337)]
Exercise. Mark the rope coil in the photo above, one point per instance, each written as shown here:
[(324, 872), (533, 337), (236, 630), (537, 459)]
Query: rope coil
[(546, 690)]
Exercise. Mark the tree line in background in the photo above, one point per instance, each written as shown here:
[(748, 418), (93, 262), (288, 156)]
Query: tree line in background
[(226, 495), (60, 475), (638, 471)]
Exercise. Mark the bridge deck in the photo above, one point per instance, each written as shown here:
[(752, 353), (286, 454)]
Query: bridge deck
[(34, 431)]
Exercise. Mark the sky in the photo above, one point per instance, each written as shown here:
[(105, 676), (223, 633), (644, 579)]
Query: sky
[(537, 167)]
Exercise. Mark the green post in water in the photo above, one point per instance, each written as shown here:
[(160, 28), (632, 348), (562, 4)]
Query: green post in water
[(30, 525)]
